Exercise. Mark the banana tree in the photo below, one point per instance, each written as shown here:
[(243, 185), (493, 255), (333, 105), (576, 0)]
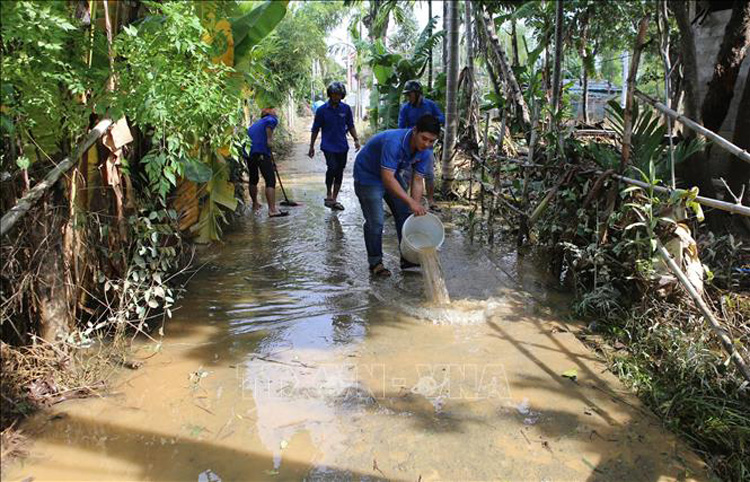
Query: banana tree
[(232, 40), (392, 71)]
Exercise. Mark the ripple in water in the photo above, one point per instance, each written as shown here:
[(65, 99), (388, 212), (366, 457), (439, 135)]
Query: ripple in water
[(461, 312)]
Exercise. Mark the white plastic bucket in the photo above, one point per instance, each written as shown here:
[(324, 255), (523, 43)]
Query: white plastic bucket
[(421, 232)]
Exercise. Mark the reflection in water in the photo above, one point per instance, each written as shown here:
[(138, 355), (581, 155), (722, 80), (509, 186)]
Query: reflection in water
[(286, 361)]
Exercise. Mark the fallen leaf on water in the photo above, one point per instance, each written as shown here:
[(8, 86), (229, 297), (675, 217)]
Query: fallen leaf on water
[(283, 444)]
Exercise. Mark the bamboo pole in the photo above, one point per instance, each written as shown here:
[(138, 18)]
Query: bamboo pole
[(716, 138), (706, 201), (718, 330), (23, 205)]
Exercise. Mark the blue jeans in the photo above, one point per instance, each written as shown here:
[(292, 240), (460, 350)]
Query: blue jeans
[(371, 201)]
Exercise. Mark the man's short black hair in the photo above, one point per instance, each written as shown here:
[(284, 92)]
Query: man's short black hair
[(428, 123)]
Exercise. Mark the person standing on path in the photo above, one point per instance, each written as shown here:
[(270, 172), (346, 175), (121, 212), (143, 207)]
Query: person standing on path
[(415, 107), (377, 178), (334, 118), (260, 159)]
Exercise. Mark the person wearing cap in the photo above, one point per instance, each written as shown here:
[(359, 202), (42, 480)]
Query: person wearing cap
[(377, 178), (335, 119), (415, 107), (260, 160)]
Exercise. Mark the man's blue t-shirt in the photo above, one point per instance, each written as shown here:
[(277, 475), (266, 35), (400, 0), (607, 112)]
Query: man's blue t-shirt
[(390, 150), (258, 136), (335, 122), (410, 114)]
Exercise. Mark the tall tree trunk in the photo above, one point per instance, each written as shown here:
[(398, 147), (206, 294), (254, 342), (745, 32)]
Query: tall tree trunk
[(50, 293), (445, 38), (739, 171), (733, 50), (584, 54), (451, 95), (522, 110), (514, 43), (689, 60), (556, 87), (585, 95), (429, 70), (695, 169), (632, 76), (718, 98), (469, 55)]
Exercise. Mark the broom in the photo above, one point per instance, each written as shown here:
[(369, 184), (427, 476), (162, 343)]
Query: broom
[(286, 201)]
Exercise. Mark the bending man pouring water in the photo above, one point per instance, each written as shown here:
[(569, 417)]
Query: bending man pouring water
[(376, 178)]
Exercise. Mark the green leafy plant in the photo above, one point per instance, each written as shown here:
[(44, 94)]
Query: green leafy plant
[(393, 70)]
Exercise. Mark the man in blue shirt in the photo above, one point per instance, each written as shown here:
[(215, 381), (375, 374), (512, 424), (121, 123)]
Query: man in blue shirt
[(376, 178), (260, 159), (410, 112), (335, 119)]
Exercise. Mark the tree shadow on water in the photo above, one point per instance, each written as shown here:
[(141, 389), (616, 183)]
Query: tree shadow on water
[(152, 455)]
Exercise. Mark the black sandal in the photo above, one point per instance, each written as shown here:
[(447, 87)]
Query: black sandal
[(379, 270)]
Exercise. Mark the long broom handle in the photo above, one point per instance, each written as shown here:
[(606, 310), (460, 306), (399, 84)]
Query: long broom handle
[(276, 169)]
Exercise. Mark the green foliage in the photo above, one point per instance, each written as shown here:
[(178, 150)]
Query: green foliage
[(175, 89), (674, 365), (282, 61), (648, 139), (144, 287), (251, 28), (393, 70), (220, 193), (43, 74)]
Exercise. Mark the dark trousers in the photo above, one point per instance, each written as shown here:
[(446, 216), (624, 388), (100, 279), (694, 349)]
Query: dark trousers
[(336, 163)]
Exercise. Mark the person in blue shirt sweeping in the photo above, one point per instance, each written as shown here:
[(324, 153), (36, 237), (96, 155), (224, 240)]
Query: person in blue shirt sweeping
[(260, 160), (377, 178), (335, 119), (415, 107)]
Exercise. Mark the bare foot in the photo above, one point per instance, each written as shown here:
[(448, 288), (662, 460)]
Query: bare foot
[(257, 207)]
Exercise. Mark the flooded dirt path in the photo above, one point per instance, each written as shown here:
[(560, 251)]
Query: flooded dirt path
[(286, 362)]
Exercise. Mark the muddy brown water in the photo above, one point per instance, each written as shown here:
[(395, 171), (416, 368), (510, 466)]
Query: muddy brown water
[(286, 362)]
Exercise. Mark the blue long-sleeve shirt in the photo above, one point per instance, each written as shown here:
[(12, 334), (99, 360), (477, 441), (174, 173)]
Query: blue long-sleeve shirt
[(410, 114)]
